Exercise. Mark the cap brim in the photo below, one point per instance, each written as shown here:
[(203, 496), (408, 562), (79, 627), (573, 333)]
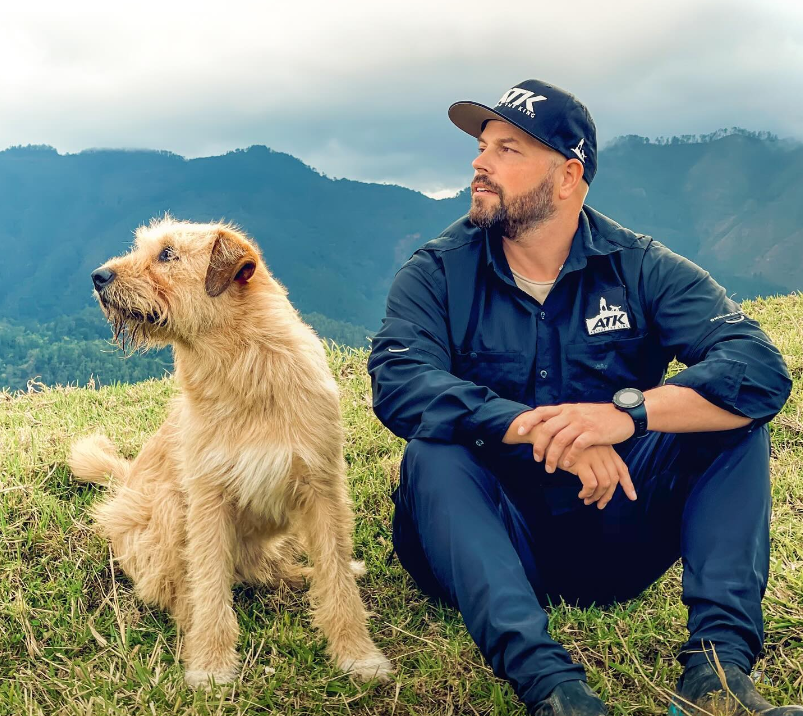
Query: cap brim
[(470, 116)]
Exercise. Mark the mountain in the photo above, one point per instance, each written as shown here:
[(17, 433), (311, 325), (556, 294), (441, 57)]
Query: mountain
[(334, 243), (732, 201)]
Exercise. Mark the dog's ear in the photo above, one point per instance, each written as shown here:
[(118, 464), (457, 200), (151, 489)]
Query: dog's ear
[(232, 259)]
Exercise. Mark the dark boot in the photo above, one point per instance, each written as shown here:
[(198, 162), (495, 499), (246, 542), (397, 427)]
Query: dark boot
[(571, 698), (701, 686)]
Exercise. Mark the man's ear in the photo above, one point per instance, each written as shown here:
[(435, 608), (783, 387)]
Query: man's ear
[(232, 259), (571, 176)]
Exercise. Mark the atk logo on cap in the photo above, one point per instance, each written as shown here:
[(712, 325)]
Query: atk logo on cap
[(521, 97)]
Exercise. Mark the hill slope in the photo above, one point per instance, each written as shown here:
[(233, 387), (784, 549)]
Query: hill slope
[(75, 639), (734, 204)]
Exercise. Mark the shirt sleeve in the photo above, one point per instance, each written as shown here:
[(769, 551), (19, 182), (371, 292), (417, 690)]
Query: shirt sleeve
[(414, 393), (731, 361)]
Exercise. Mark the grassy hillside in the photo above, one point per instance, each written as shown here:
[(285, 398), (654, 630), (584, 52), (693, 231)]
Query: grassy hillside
[(75, 640)]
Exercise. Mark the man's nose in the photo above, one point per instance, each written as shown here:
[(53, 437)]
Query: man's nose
[(481, 163), (102, 277)]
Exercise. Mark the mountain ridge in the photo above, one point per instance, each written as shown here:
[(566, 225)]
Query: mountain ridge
[(731, 200)]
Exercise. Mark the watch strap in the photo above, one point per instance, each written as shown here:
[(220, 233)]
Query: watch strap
[(639, 415)]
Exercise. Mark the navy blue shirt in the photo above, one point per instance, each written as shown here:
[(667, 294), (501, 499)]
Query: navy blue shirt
[(463, 351)]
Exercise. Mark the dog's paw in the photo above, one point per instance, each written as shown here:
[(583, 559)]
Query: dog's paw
[(198, 678), (374, 666), (357, 568)]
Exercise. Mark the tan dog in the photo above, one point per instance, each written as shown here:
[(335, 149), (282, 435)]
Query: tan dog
[(248, 465)]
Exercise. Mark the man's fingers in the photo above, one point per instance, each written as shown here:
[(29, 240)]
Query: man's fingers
[(531, 419), (582, 442), (624, 475), (603, 482), (589, 480), (559, 444), (626, 482), (613, 471), (545, 435)]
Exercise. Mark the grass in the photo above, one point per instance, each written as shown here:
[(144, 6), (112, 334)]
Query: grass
[(75, 640)]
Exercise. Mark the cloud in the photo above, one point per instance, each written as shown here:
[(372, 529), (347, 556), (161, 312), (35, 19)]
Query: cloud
[(360, 89)]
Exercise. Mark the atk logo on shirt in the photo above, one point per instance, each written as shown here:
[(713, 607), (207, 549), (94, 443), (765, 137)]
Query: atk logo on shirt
[(521, 99), (609, 318)]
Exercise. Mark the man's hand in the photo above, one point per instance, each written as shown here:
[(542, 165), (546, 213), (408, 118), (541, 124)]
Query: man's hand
[(571, 428), (600, 469)]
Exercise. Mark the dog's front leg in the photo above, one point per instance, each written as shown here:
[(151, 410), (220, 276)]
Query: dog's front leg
[(210, 646), (338, 610)]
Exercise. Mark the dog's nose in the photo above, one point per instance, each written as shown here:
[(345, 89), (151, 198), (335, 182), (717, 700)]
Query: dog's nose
[(102, 277)]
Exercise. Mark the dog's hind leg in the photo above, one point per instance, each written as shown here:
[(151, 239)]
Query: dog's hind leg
[(164, 581), (269, 561), (326, 522), (142, 515), (210, 646)]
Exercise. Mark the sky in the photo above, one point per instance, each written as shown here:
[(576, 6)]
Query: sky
[(361, 89)]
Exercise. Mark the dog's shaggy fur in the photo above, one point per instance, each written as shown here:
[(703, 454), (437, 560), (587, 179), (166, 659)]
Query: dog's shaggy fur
[(248, 468)]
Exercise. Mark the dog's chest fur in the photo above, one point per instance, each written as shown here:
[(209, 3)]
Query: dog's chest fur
[(255, 472)]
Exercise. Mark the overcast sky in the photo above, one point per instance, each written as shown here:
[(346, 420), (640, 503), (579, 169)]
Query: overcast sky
[(361, 89)]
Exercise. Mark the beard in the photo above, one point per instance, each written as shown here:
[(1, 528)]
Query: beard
[(514, 215)]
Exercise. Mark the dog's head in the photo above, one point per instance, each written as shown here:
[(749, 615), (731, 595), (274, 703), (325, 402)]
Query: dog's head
[(179, 281)]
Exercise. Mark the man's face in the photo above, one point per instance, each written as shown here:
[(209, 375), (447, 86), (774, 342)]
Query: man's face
[(513, 185)]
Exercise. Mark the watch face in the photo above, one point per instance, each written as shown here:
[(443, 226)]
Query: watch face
[(629, 398)]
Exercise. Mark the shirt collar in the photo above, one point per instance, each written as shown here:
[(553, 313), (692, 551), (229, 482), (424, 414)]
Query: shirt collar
[(587, 242)]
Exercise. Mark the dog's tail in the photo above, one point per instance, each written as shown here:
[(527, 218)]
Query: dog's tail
[(95, 459)]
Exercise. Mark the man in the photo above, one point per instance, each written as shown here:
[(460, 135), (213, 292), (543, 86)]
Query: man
[(513, 358)]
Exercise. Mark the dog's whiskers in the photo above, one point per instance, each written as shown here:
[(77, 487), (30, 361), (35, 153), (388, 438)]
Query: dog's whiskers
[(130, 324)]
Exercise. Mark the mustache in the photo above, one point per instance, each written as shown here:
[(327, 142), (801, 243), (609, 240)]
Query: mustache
[(482, 180)]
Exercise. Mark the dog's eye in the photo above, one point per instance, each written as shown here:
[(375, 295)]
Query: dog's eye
[(168, 254)]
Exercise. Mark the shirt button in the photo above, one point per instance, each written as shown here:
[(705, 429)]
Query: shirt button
[(543, 315), (479, 443), (544, 374)]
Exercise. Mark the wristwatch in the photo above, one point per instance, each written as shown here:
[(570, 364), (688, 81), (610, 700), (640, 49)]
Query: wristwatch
[(631, 401)]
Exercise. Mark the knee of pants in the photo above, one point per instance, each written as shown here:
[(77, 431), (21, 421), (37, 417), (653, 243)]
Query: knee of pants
[(433, 470), (753, 440), (741, 456)]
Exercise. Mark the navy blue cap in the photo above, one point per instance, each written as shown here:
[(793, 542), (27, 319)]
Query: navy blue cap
[(551, 115)]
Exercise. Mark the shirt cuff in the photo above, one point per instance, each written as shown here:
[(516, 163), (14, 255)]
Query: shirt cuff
[(488, 424), (718, 380)]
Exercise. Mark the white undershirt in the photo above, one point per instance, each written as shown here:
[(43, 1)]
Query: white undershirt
[(539, 290)]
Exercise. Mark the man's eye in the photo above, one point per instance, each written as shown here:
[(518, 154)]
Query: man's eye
[(168, 254)]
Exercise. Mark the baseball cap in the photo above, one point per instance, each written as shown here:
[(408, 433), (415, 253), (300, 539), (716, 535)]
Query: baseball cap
[(548, 113)]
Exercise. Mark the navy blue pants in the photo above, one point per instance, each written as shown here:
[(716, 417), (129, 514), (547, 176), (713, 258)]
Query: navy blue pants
[(494, 535)]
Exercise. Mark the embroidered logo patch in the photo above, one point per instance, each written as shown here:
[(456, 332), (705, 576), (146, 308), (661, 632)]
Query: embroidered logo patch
[(609, 318)]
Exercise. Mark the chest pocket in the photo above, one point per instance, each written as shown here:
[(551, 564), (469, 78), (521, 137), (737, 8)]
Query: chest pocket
[(596, 370), (504, 372)]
